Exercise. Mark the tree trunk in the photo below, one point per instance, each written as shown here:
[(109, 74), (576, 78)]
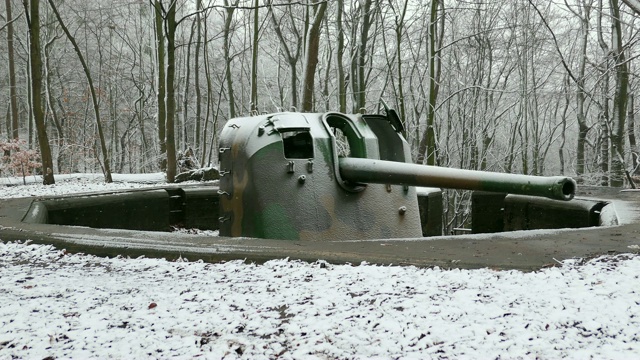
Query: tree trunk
[(229, 9), (427, 148), (32, 10), (13, 96), (361, 62), (170, 139), (254, 60), (161, 83), (207, 117), (196, 83), (399, 29), (633, 145), (52, 108), (620, 98), (313, 44), (185, 97), (342, 84)]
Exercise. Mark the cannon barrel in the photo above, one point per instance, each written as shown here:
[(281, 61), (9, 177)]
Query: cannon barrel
[(362, 170)]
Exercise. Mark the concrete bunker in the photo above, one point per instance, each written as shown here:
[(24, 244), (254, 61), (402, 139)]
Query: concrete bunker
[(197, 207)]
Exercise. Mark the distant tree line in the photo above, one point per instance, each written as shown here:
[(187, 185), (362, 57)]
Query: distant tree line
[(526, 86)]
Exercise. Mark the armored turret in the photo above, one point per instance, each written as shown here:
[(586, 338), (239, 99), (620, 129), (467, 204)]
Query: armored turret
[(334, 176)]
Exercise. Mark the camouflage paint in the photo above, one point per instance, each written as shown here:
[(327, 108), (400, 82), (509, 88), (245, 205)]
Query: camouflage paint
[(314, 194), (264, 194)]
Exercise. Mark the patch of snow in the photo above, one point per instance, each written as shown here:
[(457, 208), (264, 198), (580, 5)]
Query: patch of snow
[(609, 216), (197, 232), (87, 177), (79, 306), (60, 305)]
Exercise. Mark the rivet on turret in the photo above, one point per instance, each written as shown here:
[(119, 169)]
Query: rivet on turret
[(402, 210), (302, 179)]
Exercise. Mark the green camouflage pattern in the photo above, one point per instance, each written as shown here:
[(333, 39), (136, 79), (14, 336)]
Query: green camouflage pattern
[(266, 193), (313, 176)]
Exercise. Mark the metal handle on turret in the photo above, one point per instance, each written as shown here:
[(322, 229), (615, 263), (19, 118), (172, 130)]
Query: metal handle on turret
[(393, 172)]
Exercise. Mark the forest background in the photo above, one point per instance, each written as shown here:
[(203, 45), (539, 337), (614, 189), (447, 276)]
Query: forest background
[(526, 86)]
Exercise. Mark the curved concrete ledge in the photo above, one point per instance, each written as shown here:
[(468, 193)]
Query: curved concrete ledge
[(524, 250)]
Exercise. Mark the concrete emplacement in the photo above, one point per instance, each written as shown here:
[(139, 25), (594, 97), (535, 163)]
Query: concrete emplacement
[(509, 232)]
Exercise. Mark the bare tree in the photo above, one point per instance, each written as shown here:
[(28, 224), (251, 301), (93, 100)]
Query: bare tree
[(226, 48), (291, 46), (341, 81), (254, 59), (170, 140), (32, 11), (427, 149), (620, 97), (160, 82), (313, 43), (106, 167), (13, 96)]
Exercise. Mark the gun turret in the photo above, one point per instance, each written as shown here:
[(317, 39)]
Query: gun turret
[(333, 176)]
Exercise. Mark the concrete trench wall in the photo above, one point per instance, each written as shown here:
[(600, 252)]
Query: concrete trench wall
[(149, 210), (493, 213), (197, 207)]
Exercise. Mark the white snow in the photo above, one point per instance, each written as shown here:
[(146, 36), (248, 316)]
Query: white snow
[(60, 305)]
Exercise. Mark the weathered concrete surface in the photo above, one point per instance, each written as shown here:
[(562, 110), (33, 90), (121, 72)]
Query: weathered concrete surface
[(525, 250)]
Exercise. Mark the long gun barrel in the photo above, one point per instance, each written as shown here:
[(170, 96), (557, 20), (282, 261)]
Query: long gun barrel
[(361, 170)]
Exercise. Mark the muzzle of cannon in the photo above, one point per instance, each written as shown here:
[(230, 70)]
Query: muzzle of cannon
[(334, 176)]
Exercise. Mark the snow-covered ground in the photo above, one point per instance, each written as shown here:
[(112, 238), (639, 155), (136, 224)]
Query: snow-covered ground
[(59, 305)]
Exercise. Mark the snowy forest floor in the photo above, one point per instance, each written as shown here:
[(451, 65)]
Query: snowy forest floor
[(61, 305)]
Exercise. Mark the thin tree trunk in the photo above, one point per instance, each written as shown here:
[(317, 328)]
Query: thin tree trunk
[(362, 58), (170, 96), (619, 99), (633, 145), (563, 134), (254, 61), (32, 9), (207, 117), (313, 39), (399, 28), (13, 95), (227, 56), (185, 99), (427, 148), (196, 82), (161, 83), (51, 105), (342, 84)]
